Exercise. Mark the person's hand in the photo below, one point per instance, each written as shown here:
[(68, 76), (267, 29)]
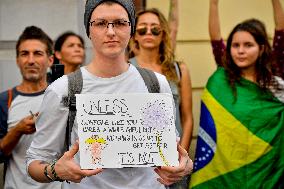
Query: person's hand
[(67, 169), (169, 175), (26, 125)]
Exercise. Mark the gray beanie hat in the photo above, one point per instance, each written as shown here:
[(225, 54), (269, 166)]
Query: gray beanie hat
[(92, 4)]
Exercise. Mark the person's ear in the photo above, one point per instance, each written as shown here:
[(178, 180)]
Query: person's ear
[(50, 60), (17, 61), (58, 55)]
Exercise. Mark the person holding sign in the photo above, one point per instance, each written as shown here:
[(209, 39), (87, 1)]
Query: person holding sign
[(109, 25)]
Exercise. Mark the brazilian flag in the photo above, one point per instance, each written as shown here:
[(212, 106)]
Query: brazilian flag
[(240, 143)]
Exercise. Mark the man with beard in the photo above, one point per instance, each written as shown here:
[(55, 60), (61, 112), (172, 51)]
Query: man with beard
[(19, 107)]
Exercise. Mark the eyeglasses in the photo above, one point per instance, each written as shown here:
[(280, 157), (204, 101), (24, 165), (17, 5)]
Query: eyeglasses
[(102, 24), (154, 30)]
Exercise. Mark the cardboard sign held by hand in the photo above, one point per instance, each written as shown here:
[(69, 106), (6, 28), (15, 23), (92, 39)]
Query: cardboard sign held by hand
[(126, 130)]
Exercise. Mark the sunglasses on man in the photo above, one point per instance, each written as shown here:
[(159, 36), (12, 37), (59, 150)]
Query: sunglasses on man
[(154, 30)]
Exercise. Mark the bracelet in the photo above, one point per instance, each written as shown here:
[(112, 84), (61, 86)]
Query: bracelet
[(46, 173), (56, 178)]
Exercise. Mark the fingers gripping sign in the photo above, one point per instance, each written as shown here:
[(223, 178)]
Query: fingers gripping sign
[(169, 175), (67, 169)]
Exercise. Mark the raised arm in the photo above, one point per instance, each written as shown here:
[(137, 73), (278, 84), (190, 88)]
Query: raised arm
[(278, 42), (217, 43), (173, 22), (214, 21), (278, 14)]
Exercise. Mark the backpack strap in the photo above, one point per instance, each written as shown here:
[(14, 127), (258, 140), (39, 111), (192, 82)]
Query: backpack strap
[(148, 76), (9, 102), (75, 85), (150, 79), (10, 98)]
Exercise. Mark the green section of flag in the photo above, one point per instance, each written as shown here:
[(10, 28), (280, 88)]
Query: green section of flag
[(258, 111), (260, 119)]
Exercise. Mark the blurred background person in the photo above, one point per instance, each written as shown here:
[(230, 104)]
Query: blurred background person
[(219, 47), (152, 43), (69, 50), (69, 55), (242, 110), (19, 107)]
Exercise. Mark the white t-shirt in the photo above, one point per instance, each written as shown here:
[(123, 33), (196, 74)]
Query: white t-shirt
[(48, 143)]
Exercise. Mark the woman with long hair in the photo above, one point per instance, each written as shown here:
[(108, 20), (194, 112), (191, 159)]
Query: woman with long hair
[(153, 42), (152, 46), (240, 140)]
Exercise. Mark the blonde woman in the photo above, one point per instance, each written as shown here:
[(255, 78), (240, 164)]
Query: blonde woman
[(152, 44)]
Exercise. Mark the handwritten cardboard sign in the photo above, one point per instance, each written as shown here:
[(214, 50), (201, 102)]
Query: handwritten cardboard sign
[(126, 130)]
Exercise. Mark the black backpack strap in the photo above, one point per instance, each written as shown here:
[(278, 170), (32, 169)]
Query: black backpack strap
[(150, 79), (75, 85)]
